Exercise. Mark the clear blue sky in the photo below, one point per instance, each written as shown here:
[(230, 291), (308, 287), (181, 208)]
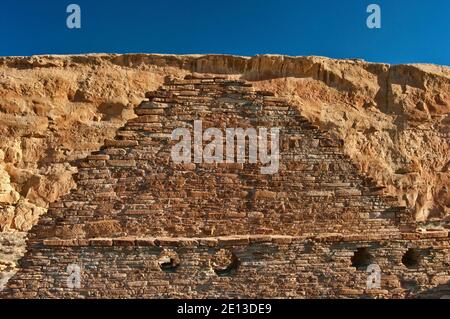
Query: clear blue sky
[(412, 30)]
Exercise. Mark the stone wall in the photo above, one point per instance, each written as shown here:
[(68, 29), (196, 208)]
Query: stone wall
[(291, 234), (55, 110), (267, 266), (132, 187)]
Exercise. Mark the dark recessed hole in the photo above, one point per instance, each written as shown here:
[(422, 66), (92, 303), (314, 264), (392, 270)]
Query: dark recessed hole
[(225, 263), (168, 261), (362, 258), (412, 258)]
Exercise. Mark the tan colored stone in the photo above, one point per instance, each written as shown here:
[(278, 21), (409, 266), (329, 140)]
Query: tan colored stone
[(102, 228)]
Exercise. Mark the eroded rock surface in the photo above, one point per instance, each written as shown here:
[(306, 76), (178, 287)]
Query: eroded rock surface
[(54, 110)]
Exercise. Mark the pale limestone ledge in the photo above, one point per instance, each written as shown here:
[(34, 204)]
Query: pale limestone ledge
[(241, 240)]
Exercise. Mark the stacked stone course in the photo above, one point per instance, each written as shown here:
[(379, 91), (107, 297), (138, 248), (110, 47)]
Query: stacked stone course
[(141, 226)]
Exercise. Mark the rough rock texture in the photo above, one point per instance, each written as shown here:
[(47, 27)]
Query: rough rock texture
[(310, 229), (54, 110)]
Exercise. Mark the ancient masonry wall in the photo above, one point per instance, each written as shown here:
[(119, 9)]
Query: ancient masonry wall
[(140, 226), (267, 266)]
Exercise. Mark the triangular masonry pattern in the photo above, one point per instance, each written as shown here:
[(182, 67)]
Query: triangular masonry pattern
[(135, 214)]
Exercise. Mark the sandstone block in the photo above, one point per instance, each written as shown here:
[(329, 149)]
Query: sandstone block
[(120, 143), (233, 241), (124, 241), (122, 163), (264, 194), (145, 242), (101, 242)]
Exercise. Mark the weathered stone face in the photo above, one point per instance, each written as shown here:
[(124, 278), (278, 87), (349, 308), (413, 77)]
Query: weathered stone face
[(289, 234), (268, 267), (133, 187)]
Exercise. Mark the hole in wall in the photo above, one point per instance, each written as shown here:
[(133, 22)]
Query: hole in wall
[(412, 258), (362, 258), (169, 261), (224, 263)]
